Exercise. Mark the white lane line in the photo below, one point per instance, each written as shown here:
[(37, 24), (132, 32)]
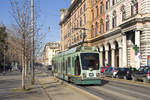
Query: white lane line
[(129, 91), (126, 97)]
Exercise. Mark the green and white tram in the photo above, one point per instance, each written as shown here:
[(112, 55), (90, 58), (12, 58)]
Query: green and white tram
[(79, 65)]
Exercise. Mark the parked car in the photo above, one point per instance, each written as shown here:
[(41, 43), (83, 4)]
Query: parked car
[(102, 69), (111, 72), (124, 73), (143, 73)]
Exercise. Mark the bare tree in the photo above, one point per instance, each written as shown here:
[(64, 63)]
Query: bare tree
[(21, 15), (22, 36)]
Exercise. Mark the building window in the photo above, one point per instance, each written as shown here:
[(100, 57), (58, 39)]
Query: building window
[(114, 20), (96, 29), (93, 2), (92, 15), (92, 31), (80, 11), (107, 23), (107, 4), (113, 2), (134, 7), (97, 11), (84, 19), (101, 26), (77, 23), (80, 21), (102, 8), (123, 13), (84, 7)]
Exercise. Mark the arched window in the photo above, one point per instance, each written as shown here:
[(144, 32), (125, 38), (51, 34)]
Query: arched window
[(114, 19), (123, 12), (102, 8), (107, 23), (97, 11)]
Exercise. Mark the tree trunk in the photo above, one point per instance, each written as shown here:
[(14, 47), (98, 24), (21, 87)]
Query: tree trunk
[(23, 72)]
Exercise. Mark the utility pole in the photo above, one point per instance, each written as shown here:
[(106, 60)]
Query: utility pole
[(32, 56)]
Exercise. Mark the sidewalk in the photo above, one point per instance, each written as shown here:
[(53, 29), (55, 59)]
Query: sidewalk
[(56, 90), (45, 88), (10, 88)]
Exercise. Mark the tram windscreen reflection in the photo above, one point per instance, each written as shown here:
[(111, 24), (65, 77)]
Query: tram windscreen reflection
[(90, 60)]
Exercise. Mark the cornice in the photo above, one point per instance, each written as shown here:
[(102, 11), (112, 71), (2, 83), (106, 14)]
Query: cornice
[(71, 8), (105, 35)]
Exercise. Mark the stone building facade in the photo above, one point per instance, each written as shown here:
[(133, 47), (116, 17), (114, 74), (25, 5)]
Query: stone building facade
[(122, 32), (50, 49), (77, 16)]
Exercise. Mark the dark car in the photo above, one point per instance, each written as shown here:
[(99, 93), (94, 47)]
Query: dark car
[(111, 72), (143, 73), (49, 67), (125, 73)]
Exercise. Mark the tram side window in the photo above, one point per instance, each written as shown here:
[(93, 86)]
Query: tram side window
[(73, 64), (63, 66), (77, 67), (69, 64), (66, 66)]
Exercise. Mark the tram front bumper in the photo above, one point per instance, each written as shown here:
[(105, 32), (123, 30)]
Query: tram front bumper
[(88, 81)]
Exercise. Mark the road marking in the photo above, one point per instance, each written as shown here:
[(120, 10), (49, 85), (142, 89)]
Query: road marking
[(126, 97), (128, 81), (130, 91)]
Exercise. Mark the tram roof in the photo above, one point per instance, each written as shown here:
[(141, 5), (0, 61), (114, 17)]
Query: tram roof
[(79, 49)]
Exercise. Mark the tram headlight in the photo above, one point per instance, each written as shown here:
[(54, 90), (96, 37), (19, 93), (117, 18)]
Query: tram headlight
[(97, 74), (84, 75)]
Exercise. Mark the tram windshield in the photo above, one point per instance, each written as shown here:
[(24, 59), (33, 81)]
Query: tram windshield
[(90, 61)]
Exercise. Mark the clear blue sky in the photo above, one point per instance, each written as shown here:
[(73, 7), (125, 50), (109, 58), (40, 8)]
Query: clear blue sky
[(49, 16)]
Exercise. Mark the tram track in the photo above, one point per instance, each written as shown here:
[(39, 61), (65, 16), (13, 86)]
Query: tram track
[(115, 90), (118, 91)]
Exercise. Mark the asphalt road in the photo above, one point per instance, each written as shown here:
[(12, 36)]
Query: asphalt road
[(116, 90)]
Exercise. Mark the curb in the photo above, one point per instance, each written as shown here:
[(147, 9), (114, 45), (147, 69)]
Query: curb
[(85, 93), (78, 90), (129, 82), (43, 90)]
